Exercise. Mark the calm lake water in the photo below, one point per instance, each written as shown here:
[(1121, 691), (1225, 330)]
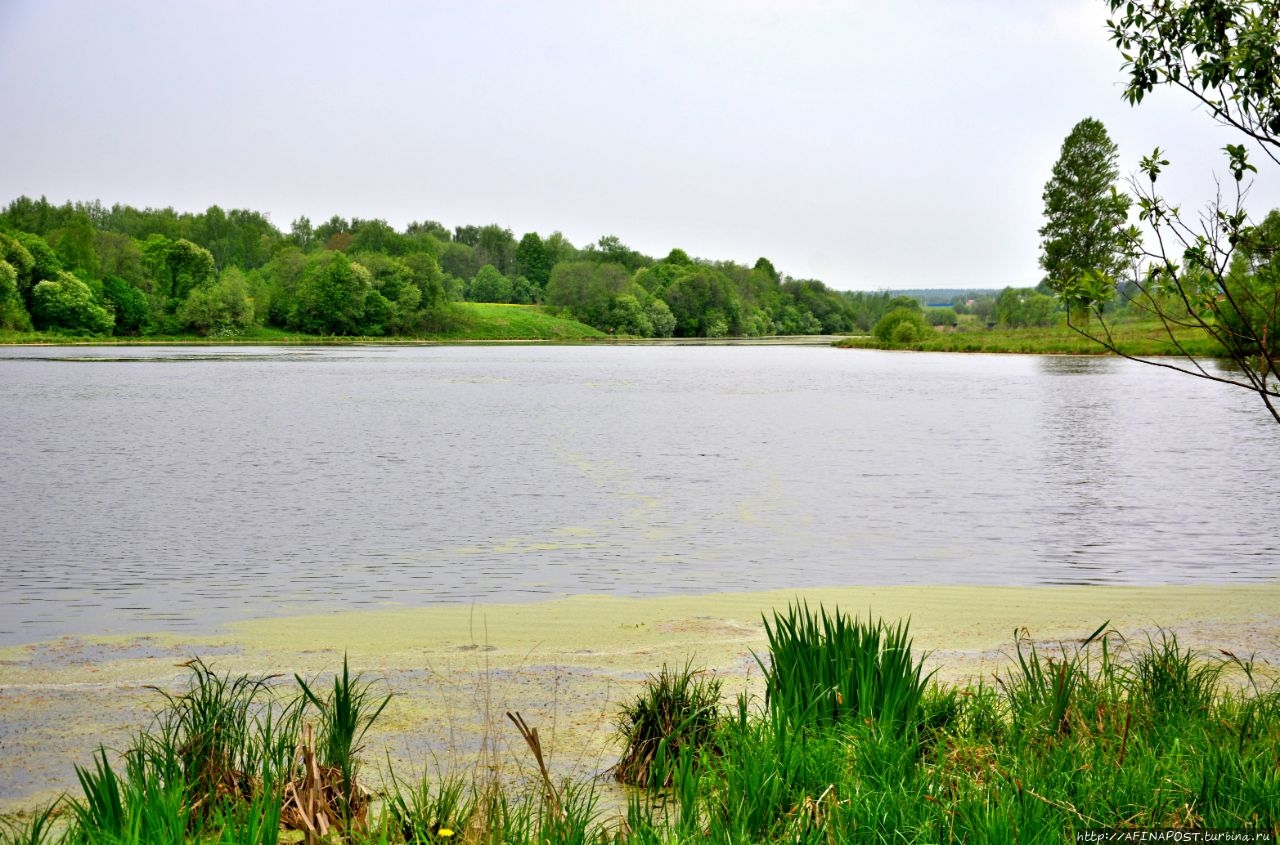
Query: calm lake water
[(156, 488)]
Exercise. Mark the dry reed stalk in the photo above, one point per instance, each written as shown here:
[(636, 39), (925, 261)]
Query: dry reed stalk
[(313, 803), (535, 745)]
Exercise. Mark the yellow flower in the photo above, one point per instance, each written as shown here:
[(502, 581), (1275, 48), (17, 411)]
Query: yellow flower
[(444, 832)]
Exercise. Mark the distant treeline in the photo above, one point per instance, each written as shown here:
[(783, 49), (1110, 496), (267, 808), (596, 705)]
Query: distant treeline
[(84, 268)]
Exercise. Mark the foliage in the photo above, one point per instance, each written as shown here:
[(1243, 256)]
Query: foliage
[(677, 714), (942, 317), (1023, 307), (128, 304), (413, 276), (177, 266), (20, 260), (533, 262), (219, 309), (902, 326), (1085, 234), (1224, 55), (67, 304), (13, 313), (490, 285), (330, 296)]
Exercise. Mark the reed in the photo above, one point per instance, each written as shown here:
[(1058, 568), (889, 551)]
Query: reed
[(346, 715), (826, 668), (677, 710), (1127, 735)]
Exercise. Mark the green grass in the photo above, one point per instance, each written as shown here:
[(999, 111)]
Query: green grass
[(1090, 734), (1143, 339), (825, 668), (460, 321), (677, 712), (488, 321)]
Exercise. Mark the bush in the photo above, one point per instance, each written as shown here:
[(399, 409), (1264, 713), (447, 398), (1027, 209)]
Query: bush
[(67, 304), (678, 711), (911, 321), (942, 316)]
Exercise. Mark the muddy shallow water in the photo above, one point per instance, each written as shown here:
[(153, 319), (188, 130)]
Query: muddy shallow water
[(564, 664)]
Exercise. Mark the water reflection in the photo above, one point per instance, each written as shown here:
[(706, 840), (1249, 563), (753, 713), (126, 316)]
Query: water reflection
[(177, 493), (1082, 519)]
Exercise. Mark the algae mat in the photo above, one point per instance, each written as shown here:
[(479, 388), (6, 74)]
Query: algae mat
[(565, 665)]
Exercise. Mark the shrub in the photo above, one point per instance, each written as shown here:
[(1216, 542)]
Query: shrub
[(901, 326), (678, 711)]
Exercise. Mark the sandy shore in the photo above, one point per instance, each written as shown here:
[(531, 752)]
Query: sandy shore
[(565, 665)]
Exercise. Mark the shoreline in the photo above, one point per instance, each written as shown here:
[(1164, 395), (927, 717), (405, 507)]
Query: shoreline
[(566, 664)]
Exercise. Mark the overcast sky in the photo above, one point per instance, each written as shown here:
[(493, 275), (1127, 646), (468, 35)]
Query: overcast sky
[(872, 145)]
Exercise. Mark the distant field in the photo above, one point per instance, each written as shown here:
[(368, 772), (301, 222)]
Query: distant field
[(1148, 338)]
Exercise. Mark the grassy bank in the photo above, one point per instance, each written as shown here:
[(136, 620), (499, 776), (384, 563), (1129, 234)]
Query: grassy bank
[(1141, 339), (853, 742), (462, 321)]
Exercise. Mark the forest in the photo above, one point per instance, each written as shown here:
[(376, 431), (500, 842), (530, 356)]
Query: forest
[(87, 269)]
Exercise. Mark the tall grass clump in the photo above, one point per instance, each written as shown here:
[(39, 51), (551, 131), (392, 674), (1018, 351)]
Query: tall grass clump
[(1170, 681), (346, 715), (224, 735), (1045, 690), (828, 667), (678, 709), (39, 829)]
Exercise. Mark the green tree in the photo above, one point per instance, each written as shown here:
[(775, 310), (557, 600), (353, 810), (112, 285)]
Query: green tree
[(176, 268), (128, 304), (429, 279), (301, 234), (1086, 239), (660, 318), (331, 296), (13, 313), (377, 236), (218, 309), (459, 260), (1225, 54), (490, 286), (74, 244), (533, 262), (67, 304), (704, 303), (1025, 307), (44, 265), (119, 255), (379, 314), (497, 246), (587, 289), (942, 316)]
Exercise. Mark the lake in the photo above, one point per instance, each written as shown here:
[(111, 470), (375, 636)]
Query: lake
[(149, 488)]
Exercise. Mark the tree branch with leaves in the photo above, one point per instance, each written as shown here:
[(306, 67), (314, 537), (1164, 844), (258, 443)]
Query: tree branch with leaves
[(1213, 272)]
